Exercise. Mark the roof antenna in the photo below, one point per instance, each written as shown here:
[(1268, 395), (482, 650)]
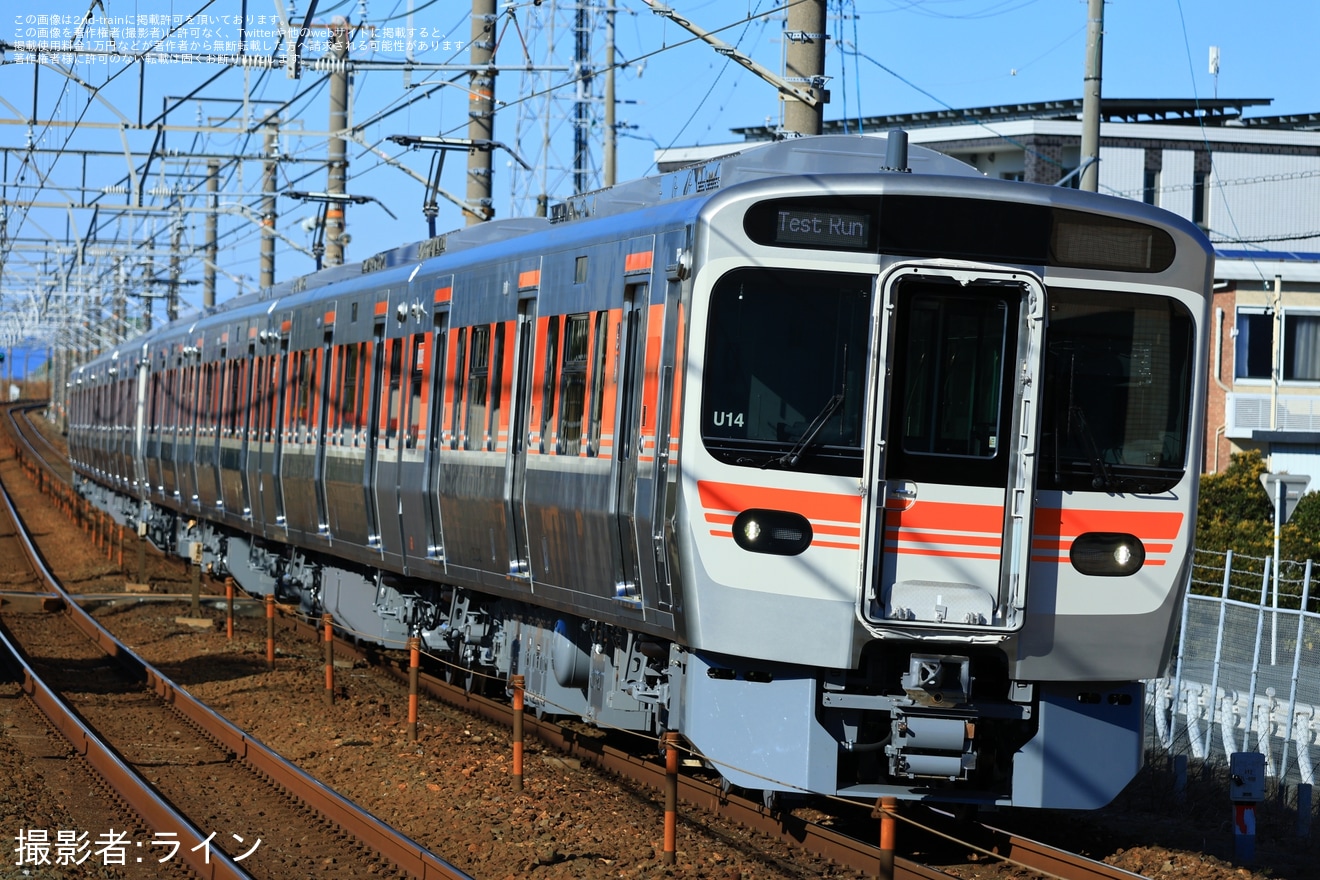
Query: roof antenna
[(896, 152)]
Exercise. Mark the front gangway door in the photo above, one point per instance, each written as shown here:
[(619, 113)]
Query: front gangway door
[(950, 523)]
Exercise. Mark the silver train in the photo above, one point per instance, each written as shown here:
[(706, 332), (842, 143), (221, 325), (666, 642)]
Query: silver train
[(868, 475)]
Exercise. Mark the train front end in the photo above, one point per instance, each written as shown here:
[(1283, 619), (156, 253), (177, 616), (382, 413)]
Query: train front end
[(938, 484)]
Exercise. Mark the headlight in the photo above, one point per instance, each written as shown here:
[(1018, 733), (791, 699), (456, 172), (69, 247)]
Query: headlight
[(772, 531), (1107, 554)]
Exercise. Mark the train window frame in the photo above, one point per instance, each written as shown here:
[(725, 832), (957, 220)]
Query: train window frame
[(460, 365), (476, 399), (439, 358), (345, 391), (749, 346), (256, 400), (419, 361), (243, 402), (495, 387), (153, 417), (941, 443), (575, 355), (597, 380), (210, 390), (276, 397), (392, 414), (550, 383), (1138, 392)]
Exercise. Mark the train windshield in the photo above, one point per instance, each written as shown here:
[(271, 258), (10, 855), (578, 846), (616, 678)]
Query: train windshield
[(1118, 385), (786, 368)]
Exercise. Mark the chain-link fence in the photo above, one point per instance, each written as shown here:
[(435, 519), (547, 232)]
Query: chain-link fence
[(1246, 674)]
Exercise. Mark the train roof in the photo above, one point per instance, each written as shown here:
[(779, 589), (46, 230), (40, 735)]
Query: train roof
[(825, 154)]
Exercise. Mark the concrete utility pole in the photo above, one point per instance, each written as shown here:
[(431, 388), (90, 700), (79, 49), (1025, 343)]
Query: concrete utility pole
[(792, 91), (212, 253), (334, 211), (804, 62), (481, 112), (611, 135), (1095, 35), (172, 297), (268, 212)]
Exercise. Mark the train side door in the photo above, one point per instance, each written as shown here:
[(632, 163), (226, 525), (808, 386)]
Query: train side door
[(258, 432), (273, 454), (369, 474), (321, 437), (632, 474), (435, 549), (249, 424), (951, 532), (140, 410), (519, 437)]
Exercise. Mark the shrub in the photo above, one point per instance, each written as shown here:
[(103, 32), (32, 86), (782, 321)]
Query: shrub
[(1235, 513)]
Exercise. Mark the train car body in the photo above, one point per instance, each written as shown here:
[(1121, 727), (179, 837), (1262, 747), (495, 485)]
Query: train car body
[(868, 480)]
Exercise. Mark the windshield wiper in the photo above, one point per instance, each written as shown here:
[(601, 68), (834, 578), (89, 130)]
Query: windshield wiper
[(1100, 476), (790, 459)]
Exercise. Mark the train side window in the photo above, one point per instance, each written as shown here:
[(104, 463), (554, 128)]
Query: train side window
[(478, 389), (346, 420), (437, 414), (247, 425), (224, 370), (348, 401), (264, 399), (362, 411), (273, 393), (191, 393), (496, 387), (599, 363), (170, 401), (573, 384), (394, 349), (192, 399), (456, 423), (206, 427), (255, 398), (237, 383), (293, 422), (335, 398), (306, 397), (153, 417), (418, 389), (551, 376)]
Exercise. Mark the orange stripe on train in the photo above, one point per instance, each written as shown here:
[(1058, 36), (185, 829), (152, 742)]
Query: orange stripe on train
[(1148, 525), (921, 536), (813, 505), (948, 516)]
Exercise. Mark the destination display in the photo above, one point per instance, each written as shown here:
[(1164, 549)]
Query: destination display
[(823, 229)]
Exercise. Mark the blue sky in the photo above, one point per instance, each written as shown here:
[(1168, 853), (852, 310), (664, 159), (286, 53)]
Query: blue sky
[(966, 53), (885, 56)]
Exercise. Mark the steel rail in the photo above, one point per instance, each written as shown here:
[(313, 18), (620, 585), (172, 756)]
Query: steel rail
[(150, 806), (404, 852)]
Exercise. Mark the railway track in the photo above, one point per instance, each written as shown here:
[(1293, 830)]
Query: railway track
[(171, 758), (844, 849)]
